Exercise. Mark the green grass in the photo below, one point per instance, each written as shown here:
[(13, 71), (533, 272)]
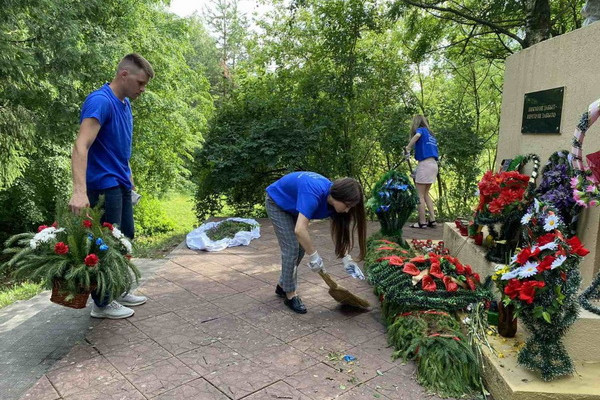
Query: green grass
[(179, 207), (22, 291)]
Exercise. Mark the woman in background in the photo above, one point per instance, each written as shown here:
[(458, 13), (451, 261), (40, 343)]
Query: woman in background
[(426, 153)]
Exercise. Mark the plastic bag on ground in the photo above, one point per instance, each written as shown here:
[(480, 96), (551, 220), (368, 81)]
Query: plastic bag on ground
[(199, 240)]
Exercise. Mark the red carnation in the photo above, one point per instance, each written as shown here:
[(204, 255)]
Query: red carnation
[(546, 263), (524, 255), (547, 238), (42, 227), (428, 284), (87, 223), (527, 292), (110, 227), (91, 260), (513, 288), (577, 247), (61, 248)]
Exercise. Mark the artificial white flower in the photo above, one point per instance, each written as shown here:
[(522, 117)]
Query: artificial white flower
[(558, 262), (126, 243), (526, 218), (551, 223), (117, 233), (44, 236), (510, 275), (527, 270), (536, 204), (551, 246), (513, 259)]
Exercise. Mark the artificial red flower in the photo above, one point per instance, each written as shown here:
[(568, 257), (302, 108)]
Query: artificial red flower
[(428, 284), (468, 270), (403, 251), (418, 259), (387, 241), (513, 288), (411, 269), (435, 270), (471, 283), (392, 260), (547, 238), (524, 255), (451, 286), (42, 227), (87, 223), (61, 248), (527, 292), (577, 247), (546, 263), (107, 225), (55, 224), (563, 276), (476, 277), (91, 260)]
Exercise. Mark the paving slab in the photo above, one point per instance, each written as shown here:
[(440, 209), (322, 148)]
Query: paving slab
[(213, 328)]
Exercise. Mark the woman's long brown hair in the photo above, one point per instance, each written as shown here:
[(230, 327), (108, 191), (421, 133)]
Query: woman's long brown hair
[(344, 225)]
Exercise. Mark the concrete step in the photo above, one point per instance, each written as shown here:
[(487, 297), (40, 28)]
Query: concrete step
[(577, 340), (508, 381)]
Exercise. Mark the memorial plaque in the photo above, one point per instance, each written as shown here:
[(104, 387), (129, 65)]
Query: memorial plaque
[(542, 111)]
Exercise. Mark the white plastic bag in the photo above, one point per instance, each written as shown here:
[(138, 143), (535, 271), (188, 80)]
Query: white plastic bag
[(199, 240)]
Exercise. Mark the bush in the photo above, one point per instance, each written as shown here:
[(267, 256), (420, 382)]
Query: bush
[(151, 219)]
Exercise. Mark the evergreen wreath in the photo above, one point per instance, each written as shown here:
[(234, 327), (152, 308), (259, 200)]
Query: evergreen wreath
[(77, 249), (445, 360), (417, 293), (541, 282), (393, 199)]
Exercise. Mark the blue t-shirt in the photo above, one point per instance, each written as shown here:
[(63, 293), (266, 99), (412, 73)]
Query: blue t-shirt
[(302, 192), (426, 146), (108, 157)]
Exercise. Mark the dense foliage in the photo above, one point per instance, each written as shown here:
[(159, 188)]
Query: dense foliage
[(52, 54)]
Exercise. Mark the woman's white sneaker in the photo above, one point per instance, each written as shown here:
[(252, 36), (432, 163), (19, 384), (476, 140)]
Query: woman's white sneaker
[(113, 310), (131, 300)]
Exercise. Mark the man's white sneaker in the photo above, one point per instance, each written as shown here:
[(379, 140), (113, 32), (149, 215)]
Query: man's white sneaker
[(112, 311), (131, 300)]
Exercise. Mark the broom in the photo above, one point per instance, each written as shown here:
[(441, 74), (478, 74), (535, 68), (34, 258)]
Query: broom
[(342, 295)]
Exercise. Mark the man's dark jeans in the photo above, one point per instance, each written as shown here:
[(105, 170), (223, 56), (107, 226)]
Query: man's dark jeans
[(118, 210)]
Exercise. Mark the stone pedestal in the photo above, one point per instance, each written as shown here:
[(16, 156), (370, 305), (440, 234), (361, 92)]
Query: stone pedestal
[(508, 381)]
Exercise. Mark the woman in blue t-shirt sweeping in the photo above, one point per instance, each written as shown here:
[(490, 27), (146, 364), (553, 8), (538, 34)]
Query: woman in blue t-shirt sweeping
[(292, 202), (426, 153)]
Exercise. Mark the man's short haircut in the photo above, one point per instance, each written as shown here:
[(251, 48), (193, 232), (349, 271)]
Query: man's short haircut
[(137, 61)]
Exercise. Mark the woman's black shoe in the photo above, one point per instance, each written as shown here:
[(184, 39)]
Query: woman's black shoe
[(279, 291), (295, 303)]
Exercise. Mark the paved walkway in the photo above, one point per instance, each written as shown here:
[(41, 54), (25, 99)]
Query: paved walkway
[(212, 329)]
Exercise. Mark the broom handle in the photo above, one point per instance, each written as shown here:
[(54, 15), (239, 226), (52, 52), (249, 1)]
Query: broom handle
[(330, 282)]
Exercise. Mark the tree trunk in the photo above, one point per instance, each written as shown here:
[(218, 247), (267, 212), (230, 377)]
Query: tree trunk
[(537, 21)]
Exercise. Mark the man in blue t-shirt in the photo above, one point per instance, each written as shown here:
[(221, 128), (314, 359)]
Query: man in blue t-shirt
[(100, 160)]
